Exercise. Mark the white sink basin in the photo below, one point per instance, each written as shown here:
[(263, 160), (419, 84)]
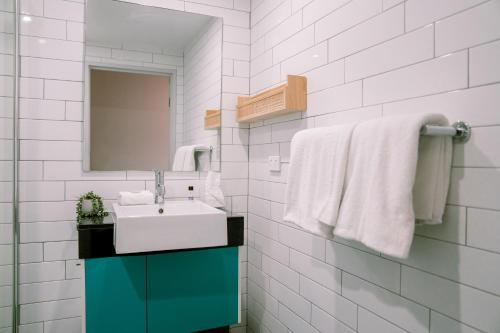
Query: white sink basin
[(182, 225)]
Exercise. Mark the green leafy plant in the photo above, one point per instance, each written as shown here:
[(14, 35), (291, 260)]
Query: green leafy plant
[(97, 208)]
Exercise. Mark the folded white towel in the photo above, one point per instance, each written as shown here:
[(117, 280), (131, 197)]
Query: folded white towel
[(316, 176), (213, 193), (377, 206), (135, 198), (184, 159)]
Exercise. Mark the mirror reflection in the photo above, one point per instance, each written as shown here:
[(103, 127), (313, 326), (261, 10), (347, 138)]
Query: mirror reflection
[(152, 88)]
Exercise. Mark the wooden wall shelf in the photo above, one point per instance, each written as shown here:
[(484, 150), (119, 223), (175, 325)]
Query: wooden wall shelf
[(286, 98), (212, 119)]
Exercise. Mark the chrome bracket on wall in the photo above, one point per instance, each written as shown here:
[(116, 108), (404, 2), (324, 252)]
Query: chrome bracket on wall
[(464, 131)]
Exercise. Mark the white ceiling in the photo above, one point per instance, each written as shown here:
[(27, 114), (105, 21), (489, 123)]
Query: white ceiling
[(121, 23)]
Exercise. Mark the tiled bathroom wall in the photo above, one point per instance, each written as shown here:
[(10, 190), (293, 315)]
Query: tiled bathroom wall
[(52, 53), (203, 81), (366, 59), (7, 75)]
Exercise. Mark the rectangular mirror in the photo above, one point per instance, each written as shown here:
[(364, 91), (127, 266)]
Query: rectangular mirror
[(152, 75)]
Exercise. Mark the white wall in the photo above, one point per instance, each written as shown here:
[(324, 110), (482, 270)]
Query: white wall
[(203, 82), (149, 59), (7, 73), (52, 54), (365, 59)]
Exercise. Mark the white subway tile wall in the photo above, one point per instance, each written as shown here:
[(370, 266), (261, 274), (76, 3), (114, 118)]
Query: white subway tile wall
[(52, 56), (202, 85), (7, 73), (366, 59)]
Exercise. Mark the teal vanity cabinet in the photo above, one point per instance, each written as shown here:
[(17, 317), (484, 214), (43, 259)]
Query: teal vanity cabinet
[(191, 291), (115, 294), (174, 291)]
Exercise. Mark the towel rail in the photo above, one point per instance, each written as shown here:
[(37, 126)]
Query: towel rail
[(202, 149), (460, 131)]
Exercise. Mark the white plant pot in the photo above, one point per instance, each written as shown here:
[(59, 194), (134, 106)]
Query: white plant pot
[(86, 206)]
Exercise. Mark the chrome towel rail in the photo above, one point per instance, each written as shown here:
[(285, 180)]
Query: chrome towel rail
[(460, 131)]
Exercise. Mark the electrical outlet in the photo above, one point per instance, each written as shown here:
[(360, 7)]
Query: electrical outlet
[(274, 163)]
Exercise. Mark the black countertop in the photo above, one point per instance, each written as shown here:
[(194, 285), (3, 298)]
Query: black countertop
[(95, 237)]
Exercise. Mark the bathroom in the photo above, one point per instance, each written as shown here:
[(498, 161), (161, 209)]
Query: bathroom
[(247, 266)]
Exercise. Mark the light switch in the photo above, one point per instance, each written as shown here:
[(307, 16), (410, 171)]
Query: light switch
[(274, 163)]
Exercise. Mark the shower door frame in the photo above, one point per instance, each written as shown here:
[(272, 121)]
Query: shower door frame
[(15, 160)]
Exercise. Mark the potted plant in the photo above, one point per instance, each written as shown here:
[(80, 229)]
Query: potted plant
[(90, 206)]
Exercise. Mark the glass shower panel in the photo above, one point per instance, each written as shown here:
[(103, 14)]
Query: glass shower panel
[(7, 95)]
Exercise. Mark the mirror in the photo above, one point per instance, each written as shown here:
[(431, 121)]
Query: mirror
[(152, 76)]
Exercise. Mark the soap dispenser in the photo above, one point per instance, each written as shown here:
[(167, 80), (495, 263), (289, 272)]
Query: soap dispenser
[(191, 195)]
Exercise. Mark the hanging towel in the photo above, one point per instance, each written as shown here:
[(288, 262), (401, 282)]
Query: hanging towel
[(180, 155), (135, 198), (377, 206), (184, 159), (213, 193), (189, 161), (315, 177), (432, 179)]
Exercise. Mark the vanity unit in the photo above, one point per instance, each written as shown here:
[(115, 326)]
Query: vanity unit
[(177, 290)]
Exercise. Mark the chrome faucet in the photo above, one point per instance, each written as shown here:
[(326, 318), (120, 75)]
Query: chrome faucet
[(159, 187)]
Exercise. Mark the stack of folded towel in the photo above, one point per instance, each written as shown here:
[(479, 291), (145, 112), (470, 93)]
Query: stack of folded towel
[(135, 198), (378, 180)]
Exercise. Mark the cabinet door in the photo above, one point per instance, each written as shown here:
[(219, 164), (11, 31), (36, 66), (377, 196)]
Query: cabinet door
[(115, 294), (192, 290)]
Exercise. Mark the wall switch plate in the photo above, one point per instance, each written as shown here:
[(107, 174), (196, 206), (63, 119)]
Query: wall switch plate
[(274, 163)]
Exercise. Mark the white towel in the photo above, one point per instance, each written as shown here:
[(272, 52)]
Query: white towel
[(377, 206), (316, 176), (180, 155), (135, 198), (184, 159), (432, 179), (213, 193)]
